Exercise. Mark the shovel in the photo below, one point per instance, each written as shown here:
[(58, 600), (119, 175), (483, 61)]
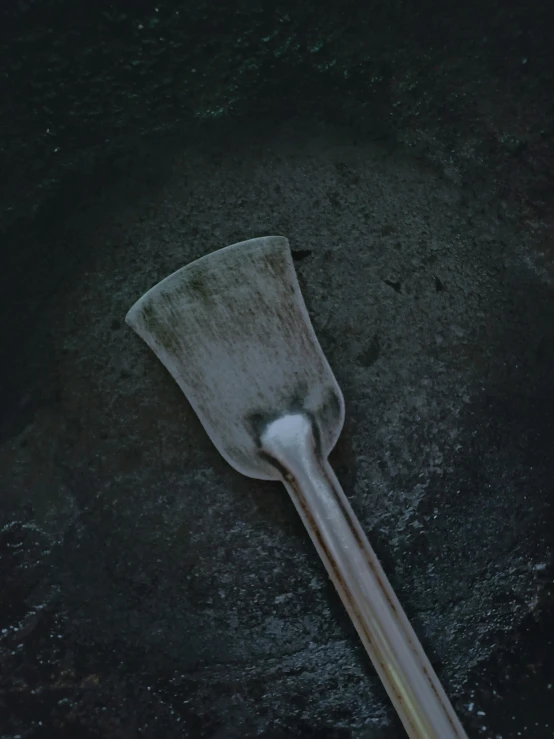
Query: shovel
[(233, 331)]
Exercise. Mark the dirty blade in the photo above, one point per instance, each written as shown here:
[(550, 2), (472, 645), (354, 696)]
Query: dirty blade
[(233, 330)]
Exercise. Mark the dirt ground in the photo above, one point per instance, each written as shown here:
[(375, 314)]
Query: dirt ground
[(152, 591), (406, 150)]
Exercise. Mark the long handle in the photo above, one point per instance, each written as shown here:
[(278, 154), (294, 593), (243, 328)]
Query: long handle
[(380, 621)]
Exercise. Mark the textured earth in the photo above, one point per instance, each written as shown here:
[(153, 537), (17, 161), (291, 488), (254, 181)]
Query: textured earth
[(405, 149), (167, 591)]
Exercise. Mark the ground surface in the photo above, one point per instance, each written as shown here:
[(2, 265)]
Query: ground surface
[(150, 590)]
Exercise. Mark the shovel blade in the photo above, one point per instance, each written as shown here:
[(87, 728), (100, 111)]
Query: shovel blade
[(233, 330)]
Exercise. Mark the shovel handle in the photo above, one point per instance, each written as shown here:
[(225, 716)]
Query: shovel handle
[(383, 627)]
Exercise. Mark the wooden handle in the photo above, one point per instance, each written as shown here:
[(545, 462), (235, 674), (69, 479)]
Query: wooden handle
[(380, 621)]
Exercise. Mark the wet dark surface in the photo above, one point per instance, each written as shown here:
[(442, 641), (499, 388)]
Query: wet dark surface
[(147, 590)]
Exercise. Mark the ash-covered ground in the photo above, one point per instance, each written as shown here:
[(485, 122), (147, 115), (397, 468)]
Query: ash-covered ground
[(150, 589), (406, 150)]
